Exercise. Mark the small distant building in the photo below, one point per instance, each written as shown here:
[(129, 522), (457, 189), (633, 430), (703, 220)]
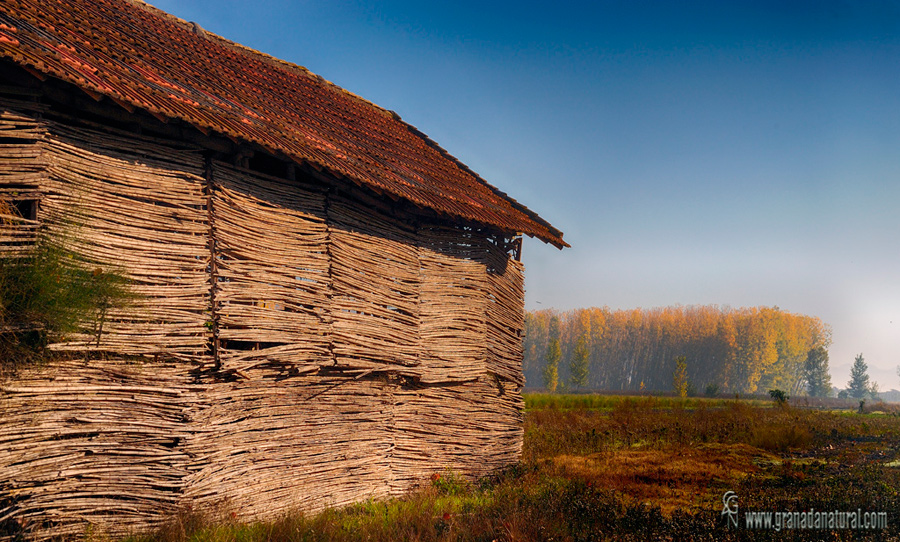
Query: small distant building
[(329, 305)]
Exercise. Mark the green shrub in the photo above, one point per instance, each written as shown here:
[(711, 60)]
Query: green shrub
[(450, 483), (50, 292), (779, 396)]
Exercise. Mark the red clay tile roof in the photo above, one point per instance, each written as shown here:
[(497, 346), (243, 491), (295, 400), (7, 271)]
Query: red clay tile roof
[(142, 57)]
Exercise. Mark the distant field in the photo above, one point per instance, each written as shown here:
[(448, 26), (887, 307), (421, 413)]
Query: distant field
[(607, 400), (600, 467)]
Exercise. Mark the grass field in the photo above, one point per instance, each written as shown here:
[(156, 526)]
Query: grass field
[(598, 467)]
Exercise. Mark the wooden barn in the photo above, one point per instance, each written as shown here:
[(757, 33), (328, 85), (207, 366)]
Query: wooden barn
[(327, 305)]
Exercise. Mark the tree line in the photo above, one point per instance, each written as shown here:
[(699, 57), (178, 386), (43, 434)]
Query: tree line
[(746, 350)]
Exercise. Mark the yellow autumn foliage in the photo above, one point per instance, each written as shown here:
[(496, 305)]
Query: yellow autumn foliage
[(741, 350)]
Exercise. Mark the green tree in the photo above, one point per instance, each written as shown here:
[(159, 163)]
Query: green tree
[(740, 350), (552, 357), (859, 385), (679, 377), (580, 364), (815, 371)]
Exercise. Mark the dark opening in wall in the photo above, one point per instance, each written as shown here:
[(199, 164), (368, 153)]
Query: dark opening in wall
[(26, 208), (268, 165), (248, 345)]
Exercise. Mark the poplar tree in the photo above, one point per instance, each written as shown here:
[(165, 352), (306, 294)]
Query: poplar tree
[(552, 357), (738, 350), (815, 371), (679, 377), (580, 364)]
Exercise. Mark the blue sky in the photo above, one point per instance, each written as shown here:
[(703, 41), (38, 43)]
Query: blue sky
[(729, 153)]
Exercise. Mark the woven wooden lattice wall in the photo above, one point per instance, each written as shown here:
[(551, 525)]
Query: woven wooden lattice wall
[(307, 442), (272, 276), (134, 206), (291, 347), (375, 289), (23, 173), (96, 442), (452, 306)]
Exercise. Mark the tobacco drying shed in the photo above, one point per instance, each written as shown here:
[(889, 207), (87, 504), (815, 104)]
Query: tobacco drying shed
[(328, 305)]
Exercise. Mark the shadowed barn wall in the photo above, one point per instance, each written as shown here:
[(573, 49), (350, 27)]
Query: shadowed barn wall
[(292, 344)]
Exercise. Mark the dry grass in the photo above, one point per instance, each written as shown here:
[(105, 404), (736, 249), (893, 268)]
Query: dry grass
[(686, 481)]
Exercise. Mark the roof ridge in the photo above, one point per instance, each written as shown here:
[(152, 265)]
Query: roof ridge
[(436, 146), (265, 57), (287, 109), (303, 70)]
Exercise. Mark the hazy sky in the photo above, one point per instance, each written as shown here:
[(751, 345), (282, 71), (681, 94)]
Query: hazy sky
[(729, 153)]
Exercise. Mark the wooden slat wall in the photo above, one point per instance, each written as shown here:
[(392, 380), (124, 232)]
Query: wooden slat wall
[(473, 428), (272, 267), (23, 170), (358, 354), (17, 235), (375, 289), (131, 205), (92, 443), (263, 448), (505, 315), (452, 306)]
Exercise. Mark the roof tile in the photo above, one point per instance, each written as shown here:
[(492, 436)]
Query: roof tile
[(144, 58)]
